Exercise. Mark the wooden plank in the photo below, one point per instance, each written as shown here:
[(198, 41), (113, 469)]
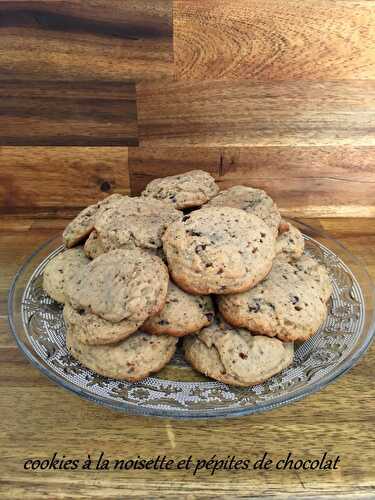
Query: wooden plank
[(248, 113), (304, 181), (39, 419), (60, 177), (68, 114), (86, 40), (275, 39)]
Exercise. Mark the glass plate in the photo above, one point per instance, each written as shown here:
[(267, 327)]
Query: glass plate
[(177, 391)]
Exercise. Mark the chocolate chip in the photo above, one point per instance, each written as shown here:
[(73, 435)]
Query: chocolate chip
[(194, 233), (294, 299), (242, 355), (262, 235), (254, 308), (220, 271), (81, 312), (298, 308), (254, 250), (200, 248), (209, 264), (185, 218)]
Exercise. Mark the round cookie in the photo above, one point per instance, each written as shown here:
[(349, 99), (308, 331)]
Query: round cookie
[(287, 305), (82, 225), (218, 250), (182, 314), (186, 190), (93, 330), (121, 284), (93, 246), (132, 359), (290, 243), (135, 222), (307, 266), (57, 269), (235, 356), (253, 201)]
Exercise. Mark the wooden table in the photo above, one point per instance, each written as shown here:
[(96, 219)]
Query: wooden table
[(38, 419)]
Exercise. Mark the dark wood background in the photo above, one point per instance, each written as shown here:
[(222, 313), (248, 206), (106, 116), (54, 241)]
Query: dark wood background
[(101, 96), (276, 94)]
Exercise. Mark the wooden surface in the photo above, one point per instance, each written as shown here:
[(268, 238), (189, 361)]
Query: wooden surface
[(275, 39), (60, 177), (250, 113), (278, 94), (83, 40), (305, 181), (68, 113), (39, 419)]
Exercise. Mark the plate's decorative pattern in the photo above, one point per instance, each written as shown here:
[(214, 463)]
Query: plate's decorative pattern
[(42, 319)]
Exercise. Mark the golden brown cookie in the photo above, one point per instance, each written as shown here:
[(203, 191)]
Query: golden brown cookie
[(186, 190), (132, 359), (287, 304), (94, 330), (218, 250), (236, 356), (253, 201), (119, 285), (82, 225), (57, 270), (182, 314)]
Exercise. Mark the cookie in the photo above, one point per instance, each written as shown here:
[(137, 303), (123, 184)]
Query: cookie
[(93, 246), (57, 269), (82, 225), (135, 222), (287, 304), (190, 189), (182, 314), (121, 284), (132, 359), (253, 201), (307, 266), (290, 243), (235, 356), (93, 330), (218, 250)]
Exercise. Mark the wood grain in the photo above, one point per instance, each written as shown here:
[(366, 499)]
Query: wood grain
[(86, 40), (275, 39), (68, 113), (248, 113), (60, 177), (39, 419), (304, 181)]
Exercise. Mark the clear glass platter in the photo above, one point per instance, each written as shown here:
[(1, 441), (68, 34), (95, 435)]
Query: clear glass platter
[(177, 391)]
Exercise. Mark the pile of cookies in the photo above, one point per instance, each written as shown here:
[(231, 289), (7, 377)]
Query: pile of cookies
[(222, 270)]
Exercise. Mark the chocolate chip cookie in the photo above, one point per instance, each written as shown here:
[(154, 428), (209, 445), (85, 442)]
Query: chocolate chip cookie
[(93, 330), (190, 189), (82, 225), (287, 304), (182, 314), (253, 201), (119, 285), (290, 243), (93, 246), (135, 222), (236, 356), (218, 250), (57, 269), (132, 359)]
